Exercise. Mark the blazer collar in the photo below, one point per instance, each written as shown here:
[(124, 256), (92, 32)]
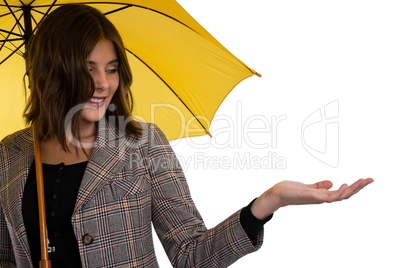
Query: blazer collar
[(111, 153)]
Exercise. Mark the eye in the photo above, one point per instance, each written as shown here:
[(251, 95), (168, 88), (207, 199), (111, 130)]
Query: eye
[(112, 70)]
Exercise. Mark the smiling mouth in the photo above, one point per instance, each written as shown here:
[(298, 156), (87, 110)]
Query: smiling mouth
[(97, 101)]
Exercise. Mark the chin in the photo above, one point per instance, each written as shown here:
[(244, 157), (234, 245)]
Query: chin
[(93, 116)]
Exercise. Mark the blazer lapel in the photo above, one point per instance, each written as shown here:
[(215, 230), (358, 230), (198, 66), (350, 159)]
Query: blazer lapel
[(111, 153)]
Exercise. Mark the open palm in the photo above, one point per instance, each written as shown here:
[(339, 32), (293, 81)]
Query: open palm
[(295, 193)]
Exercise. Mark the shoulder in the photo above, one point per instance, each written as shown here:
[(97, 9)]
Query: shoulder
[(18, 139), (147, 126), (14, 148), (151, 134), (153, 142)]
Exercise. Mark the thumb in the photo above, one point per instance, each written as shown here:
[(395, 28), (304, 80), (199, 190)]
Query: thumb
[(321, 185)]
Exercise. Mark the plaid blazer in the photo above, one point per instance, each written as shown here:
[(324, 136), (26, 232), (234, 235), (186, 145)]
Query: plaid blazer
[(129, 183)]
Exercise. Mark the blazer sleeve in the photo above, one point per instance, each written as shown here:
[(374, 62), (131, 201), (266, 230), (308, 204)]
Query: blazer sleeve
[(180, 228), (6, 249)]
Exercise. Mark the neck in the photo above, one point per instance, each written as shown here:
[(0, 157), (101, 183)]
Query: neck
[(77, 150), (87, 134)]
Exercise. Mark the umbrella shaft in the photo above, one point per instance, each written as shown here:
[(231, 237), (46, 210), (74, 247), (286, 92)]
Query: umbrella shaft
[(45, 262), (27, 23)]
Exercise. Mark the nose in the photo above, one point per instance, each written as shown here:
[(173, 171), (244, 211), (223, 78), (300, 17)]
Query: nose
[(100, 79)]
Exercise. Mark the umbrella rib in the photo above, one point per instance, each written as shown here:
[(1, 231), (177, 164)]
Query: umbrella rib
[(32, 17), (11, 33), (116, 10), (182, 23), (12, 53), (110, 12), (16, 49), (2, 5), (171, 89), (5, 14), (7, 39), (37, 11), (125, 6), (46, 13), (12, 13)]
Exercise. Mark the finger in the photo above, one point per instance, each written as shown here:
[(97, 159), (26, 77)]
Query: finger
[(324, 195), (321, 185), (362, 184), (356, 187), (337, 194)]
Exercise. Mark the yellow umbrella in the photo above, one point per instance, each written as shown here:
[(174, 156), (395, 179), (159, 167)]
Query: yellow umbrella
[(181, 73)]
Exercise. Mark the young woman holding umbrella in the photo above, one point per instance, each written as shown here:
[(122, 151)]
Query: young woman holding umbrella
[(107, 180)]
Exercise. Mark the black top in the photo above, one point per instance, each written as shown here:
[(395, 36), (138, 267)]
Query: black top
[(61, 184)]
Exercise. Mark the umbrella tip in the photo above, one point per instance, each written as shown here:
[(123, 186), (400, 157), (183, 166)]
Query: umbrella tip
[(209, 134), (259, 75)]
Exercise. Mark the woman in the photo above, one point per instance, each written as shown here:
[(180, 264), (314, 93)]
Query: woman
[(105, 182)]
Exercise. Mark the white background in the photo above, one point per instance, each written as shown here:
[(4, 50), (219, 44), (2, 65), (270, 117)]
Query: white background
[(310, 54)]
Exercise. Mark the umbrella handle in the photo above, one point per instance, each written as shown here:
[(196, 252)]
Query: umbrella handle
[(45, 262)]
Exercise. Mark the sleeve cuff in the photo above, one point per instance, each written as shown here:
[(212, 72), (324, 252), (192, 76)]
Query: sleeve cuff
[(251, 225)]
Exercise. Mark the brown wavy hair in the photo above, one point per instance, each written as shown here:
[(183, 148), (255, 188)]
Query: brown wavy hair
[(58, 74)]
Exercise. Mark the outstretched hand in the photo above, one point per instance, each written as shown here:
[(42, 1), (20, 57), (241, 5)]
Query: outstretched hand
[(295, 193)]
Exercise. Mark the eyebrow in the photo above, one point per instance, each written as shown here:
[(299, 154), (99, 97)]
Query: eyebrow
[(110, 62)]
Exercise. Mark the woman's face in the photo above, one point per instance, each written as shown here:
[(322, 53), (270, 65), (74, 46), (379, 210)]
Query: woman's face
[(103, 65)]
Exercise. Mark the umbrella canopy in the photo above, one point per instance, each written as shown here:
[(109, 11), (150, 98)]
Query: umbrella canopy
[(181, 73)]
